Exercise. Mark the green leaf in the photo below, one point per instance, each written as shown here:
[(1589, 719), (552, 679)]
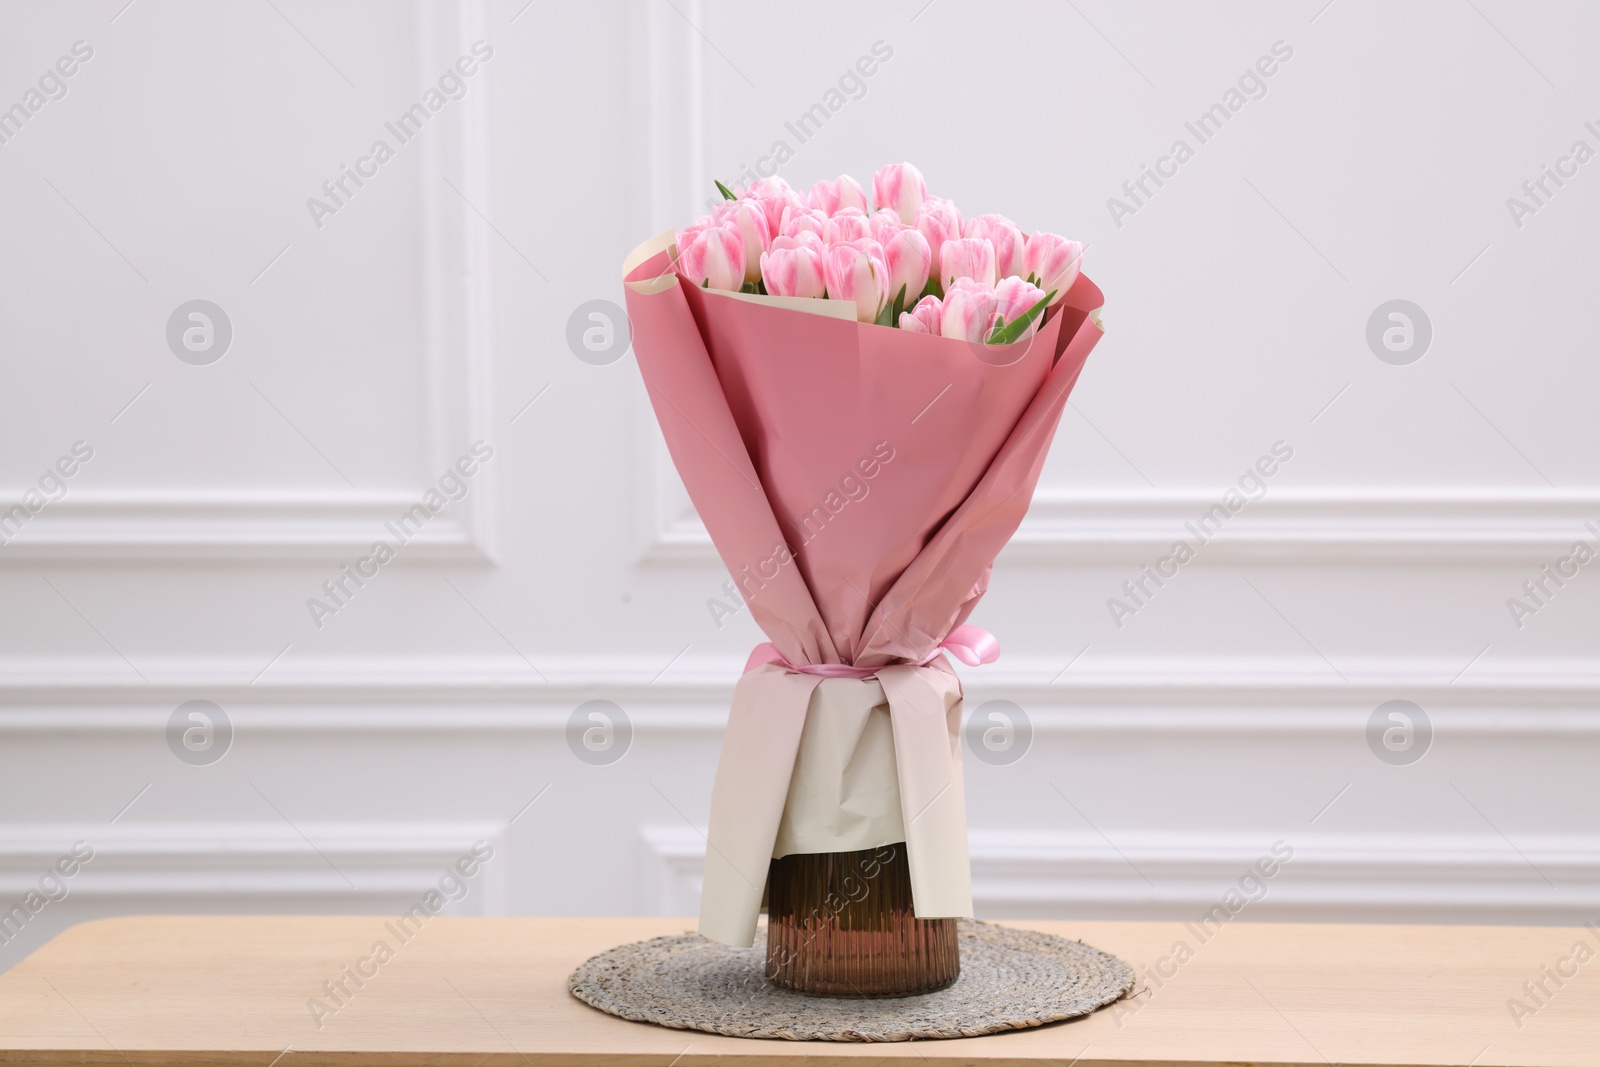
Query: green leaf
[(883, 318), (899, 306), (1007, 332), (727, 194), (748, 287), (932, 288)]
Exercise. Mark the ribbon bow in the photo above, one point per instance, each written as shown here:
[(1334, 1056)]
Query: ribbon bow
[(972, 645)]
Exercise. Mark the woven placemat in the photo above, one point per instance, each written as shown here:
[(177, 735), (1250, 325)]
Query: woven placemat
[(1010, 980)]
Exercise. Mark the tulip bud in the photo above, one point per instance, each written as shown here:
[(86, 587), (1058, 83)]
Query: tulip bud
[(773, 194), (966, 257), (938, 221), (803, 239), (803, 220), (845, 225), (713, 256), (1053, 262), (1014, 298), (855, 271), (793, 268), (968, 312), (828, 197), (884, 224), (924, 318), (751, 219), (899, 187), (1009, 245), (906, 256)]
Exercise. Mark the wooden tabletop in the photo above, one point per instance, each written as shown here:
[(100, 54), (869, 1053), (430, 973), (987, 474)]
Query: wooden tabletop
[(490, 992)]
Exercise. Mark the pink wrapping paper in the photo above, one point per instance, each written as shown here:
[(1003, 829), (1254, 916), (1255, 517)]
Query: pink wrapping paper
[(858, 482)]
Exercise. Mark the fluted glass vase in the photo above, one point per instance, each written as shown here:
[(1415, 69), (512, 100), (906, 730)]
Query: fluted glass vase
[(841, 924)]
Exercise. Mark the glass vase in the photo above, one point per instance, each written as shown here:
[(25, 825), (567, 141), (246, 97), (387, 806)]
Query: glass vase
[(841, 924)]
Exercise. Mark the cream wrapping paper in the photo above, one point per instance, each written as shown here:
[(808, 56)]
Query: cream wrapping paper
[(803, 763)]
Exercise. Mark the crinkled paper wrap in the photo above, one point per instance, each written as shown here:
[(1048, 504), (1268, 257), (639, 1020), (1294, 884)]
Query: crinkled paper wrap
[(766, 404)]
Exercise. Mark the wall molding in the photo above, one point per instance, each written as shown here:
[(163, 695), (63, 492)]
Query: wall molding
[(1071, 527), (1340, 878), (1209, 694), (195, 863), (208, 526)]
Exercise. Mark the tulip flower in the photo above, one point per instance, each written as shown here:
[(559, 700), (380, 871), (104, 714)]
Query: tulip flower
[(885, 224), (924, 318), (773, 194), (847, 224), (828, 197), (967, 257), (968, 311), (799, 219), (907, 257), (793, 267), (899, 187), (1014, 298), (803, 239), (856, 271), (1052, 262), (751, 219), (1009, 244), (938, 221), (712, 256)]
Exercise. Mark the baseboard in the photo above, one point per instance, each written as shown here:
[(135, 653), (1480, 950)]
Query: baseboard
[(1329, 878)]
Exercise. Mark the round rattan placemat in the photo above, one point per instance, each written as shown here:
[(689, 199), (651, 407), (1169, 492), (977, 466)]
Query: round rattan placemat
[(1010, 980)]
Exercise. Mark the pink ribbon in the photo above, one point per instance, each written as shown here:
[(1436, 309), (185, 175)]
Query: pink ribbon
[(972, 645)]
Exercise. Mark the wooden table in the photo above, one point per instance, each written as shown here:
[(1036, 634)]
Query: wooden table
[(465, 992)]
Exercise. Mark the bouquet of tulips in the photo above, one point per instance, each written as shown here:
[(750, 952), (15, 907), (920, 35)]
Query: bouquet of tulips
[(912, 263), (859, 401)]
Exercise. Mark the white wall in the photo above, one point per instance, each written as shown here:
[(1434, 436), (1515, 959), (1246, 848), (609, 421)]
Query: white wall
[(1229, 712)]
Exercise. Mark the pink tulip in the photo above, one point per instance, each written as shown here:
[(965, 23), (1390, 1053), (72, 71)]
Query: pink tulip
[(803, 220), (884, 223), (855, 271), (773, 194), (847, 224), (1015, 298), (751, 219), (924, 318), (938, 221), (899, 187), (967, 257), (793, 268), (844, 191), (1052, 261), (968, 312), (907, 257), (803, 239), (1009, 245), (713, 256)]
